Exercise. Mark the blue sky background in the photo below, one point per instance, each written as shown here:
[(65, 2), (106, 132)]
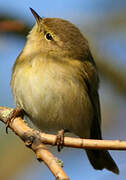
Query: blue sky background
[(90, 16)]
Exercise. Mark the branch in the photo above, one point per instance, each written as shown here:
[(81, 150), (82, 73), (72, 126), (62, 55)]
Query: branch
[(13, 25), (32, 140), (35, 140), (113, 73)]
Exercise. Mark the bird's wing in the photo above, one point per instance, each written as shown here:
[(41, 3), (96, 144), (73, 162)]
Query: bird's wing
[(99, 159), (92, 81)]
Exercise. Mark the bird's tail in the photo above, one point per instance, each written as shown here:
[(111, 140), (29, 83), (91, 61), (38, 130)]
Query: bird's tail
[(101, 159)]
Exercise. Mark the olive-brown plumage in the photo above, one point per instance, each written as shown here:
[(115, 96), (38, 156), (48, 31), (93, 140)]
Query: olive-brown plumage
[(55, 81)]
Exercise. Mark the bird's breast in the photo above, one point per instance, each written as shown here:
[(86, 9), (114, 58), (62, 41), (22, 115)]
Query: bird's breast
[(54, 96)]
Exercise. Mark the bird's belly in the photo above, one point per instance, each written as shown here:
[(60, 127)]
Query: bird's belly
[(55, 103)]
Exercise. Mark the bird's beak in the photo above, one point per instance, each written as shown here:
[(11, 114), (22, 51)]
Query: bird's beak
[(37, 17)]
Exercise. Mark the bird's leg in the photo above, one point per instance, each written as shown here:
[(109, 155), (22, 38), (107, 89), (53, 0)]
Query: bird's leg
[(15, 113), (60, 139)]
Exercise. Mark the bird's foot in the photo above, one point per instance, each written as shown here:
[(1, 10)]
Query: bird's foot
[(15, 113), (60, 139)]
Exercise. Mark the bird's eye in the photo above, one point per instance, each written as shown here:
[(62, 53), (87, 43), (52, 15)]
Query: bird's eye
[(48, 36)]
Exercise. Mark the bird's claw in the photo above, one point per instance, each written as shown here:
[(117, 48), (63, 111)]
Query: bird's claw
[(60, 140)]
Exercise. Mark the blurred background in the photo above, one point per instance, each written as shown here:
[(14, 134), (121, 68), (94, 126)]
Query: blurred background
[(103, 22)]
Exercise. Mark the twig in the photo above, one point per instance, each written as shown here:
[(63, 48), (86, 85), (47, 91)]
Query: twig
[(38, 138), (85, 143), (32, 140), (113, 73), (11, 26), (15, 26)]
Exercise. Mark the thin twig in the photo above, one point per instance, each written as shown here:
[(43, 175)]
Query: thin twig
[(27, 134), (21, 128), (85, 143), (32, 140), (11, 26)]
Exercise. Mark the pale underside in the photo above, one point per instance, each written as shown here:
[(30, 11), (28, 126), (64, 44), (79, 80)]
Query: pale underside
[(53, 97)]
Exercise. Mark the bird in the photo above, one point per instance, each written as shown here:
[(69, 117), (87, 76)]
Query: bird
[(55, 82)]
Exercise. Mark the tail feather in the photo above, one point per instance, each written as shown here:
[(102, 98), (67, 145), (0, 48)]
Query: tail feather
[(101, 159)]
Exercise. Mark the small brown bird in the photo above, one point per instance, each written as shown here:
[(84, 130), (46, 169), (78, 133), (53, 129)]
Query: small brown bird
[(55, 81)]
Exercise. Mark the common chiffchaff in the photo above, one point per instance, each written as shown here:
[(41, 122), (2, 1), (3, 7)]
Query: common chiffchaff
[(55, 81)]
